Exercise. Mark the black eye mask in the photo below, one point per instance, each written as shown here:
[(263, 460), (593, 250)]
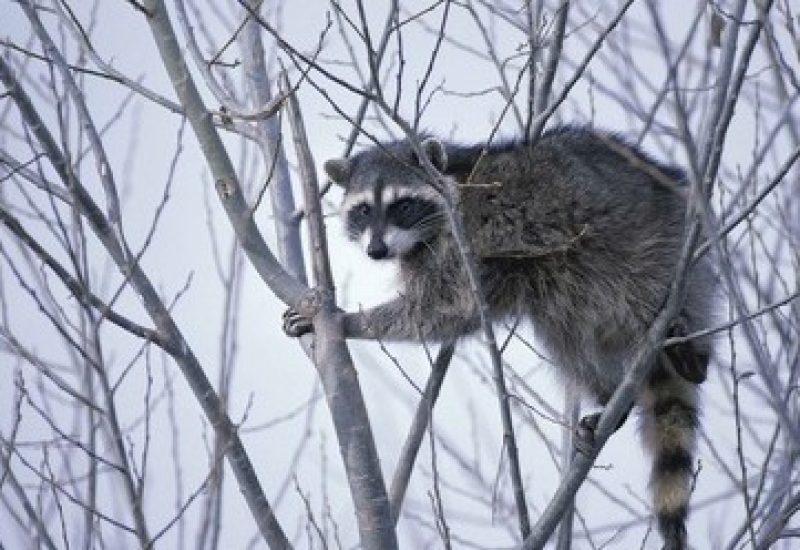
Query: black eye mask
[(406, 212)]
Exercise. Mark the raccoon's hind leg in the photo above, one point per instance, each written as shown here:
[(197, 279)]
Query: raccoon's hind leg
[(670, 420), (688, 359)]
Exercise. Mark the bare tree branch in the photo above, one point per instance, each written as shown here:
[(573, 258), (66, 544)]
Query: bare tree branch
[(419, 426), (338, 376)]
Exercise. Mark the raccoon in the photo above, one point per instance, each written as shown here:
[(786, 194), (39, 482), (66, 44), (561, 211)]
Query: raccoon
[(603, 223)]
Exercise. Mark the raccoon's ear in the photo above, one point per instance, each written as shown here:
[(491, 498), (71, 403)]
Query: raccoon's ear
[(434, 150), (338, 170)]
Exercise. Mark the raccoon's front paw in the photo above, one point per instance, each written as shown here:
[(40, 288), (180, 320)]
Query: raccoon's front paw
[(296, 324)]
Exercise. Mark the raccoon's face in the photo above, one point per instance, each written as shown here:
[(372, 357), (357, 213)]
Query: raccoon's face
[(390, 222), (388, 206)]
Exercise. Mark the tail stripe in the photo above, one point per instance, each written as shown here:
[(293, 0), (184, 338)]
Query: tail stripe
[(673, 461), (673, 529), (667, 405)]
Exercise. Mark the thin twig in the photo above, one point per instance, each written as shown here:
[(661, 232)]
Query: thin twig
[(730, 324)]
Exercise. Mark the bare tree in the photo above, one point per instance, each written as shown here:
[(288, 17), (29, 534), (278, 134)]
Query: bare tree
[(140, 315)]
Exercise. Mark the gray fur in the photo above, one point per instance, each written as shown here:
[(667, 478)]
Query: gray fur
[(589, 297), (338, 170)]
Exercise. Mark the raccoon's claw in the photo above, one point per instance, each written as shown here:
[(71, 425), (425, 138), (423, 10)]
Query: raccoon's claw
[(296, 324), (587, 426), (584, 433)]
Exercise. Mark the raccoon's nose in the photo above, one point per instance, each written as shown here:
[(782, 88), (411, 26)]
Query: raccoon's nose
[(377, 249)]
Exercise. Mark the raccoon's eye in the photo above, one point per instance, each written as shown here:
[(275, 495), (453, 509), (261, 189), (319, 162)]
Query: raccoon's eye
[(407, 212), (403, 206), (362, 210)]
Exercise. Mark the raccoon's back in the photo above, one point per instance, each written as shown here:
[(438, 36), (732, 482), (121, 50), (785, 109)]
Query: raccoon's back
[(576, 214), (573, 189), (585, 236)]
